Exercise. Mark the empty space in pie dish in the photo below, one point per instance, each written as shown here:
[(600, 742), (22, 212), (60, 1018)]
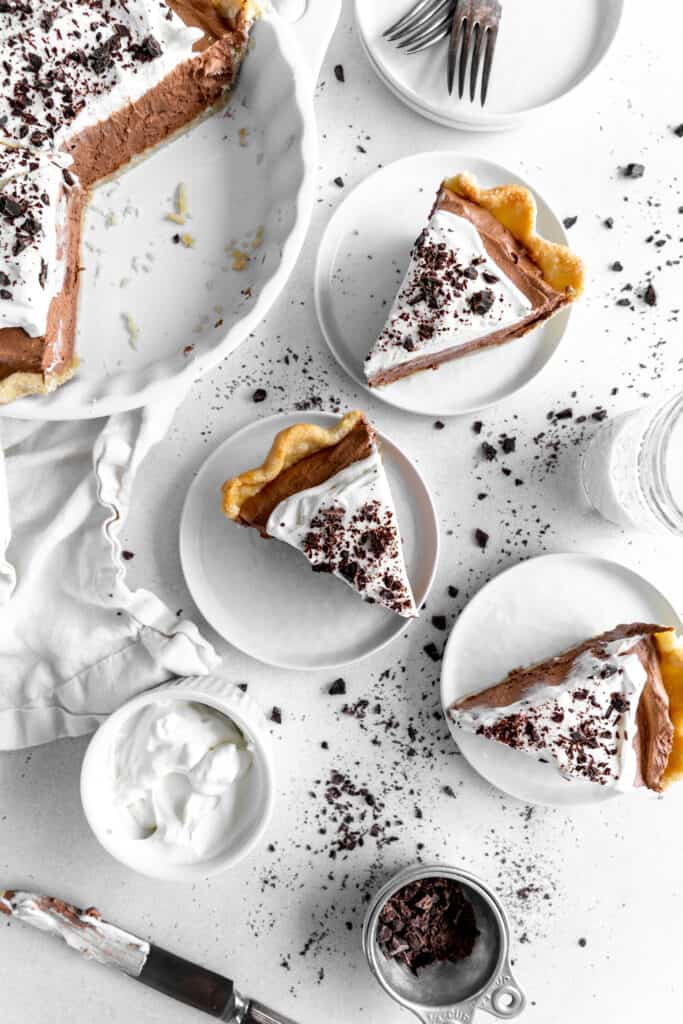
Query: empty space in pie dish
[(361, 263), (262, 596), (536, 610), (154, 311)]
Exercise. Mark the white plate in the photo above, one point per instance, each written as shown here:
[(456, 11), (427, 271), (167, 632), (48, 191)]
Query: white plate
[(261, 595), (190, 306), (362, 259), (559, 45), (526, 614)]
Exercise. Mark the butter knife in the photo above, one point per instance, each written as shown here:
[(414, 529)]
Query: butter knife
[(96, 939)]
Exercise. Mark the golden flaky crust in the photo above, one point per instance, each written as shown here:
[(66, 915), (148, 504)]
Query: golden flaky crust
[(22, 383), (515, 208), (289, 447), (670, 650)]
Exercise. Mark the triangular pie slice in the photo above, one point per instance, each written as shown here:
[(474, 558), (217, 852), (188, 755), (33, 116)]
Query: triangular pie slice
[(601, 711), (325, 492), (479, 276)]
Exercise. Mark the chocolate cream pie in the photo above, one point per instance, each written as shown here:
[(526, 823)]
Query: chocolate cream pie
[(479, 276), (325, 492), (608, 711), (85, 87)]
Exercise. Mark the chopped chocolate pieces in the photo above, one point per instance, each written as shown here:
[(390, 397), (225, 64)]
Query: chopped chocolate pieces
[(337, 688), (569, 222), (5, 294), (127, 555), (339, 181), (481, 538), (609, 222), (623, 302), (477, 426), (634, 170), (650, 295), (426, 922), (488, 451), (508, 444), (4, 278), (276, 715), (439, 622), (432, 651), (439, 424), (259, 395), (481, 302), (617, 266), (339, 72), (489, 277), (453, 591), (149, 49)]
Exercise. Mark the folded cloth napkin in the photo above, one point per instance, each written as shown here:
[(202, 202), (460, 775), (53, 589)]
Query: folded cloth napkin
[(75, 641)]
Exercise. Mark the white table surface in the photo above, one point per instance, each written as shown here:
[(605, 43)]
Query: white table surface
[(286, 924)]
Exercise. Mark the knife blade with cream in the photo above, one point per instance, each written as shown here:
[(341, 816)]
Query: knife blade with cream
[(96, 939)]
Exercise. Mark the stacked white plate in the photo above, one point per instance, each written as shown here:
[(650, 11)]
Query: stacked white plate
[(542, 53)]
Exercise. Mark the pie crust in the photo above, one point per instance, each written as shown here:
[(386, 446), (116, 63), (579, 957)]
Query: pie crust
[(290, 446), (515, 208)]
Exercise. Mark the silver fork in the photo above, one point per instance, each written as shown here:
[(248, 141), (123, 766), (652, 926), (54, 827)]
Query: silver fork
[(426, 23), (475, 24)]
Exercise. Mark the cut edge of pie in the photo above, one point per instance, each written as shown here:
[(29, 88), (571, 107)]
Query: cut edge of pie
[(23, 383), (670, 650), (291, 445), (515, 208)]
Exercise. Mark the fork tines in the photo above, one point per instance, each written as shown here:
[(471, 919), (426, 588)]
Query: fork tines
[(426, 23), (475, 28)]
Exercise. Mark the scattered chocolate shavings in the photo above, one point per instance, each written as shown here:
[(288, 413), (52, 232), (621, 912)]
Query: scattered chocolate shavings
[(337, 688), (276, 715), (149, 49), (569, 222), (634, 170), (508, 444), (439, 622), (650, 295), (617, 266), (439, 424), (432, 651), (339, 181), (608, 223), (488, 451), (481, 302), (481, 537), (339, 72), (127, 555), (477, 426), (259, 395), (453, 591), (449, 791)]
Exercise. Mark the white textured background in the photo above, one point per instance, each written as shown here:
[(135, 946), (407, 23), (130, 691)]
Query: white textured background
[(286, 924)]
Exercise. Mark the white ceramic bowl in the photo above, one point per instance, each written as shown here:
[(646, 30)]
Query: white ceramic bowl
[(146, 858)]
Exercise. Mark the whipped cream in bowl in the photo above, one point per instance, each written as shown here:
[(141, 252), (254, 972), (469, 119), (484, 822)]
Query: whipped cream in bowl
[(178, 783)]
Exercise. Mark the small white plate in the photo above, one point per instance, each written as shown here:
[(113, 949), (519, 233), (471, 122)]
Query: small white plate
[(559, 46), (530, 612), (361, 262), (261, 595)]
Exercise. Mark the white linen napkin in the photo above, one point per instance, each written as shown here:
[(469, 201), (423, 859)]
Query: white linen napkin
[(75, 641)]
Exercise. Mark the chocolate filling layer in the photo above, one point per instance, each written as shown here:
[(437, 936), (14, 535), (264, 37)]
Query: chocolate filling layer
[(309, 472)]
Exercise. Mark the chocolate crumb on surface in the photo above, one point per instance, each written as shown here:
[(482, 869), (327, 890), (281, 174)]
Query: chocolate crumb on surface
[(259, 395), (481, 538), (337, 688), (276, 715), (569, 222), (427, 922), (634, 170), (339, 72)]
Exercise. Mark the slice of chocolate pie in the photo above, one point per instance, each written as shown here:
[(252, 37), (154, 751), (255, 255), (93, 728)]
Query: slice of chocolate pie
[(85, 87), (325, 492), (601, 711), (479, 276)]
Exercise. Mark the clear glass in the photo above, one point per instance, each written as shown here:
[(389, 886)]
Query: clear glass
[(632, 470)]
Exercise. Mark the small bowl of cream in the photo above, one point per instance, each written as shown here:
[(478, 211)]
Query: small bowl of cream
[(178, 783)]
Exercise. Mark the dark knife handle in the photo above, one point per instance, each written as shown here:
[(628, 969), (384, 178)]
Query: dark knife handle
[(190, 984)]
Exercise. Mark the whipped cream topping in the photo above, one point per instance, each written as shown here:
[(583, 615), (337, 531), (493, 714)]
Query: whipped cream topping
[(179, 772), (83, 930), (586, 724), (33, 190), (453, 293), (70, 63), (348, 526)]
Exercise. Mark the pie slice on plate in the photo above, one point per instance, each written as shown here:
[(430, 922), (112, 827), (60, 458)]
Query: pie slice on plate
[(608, 711), (479, 276), (86, 88), (325, 492)]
